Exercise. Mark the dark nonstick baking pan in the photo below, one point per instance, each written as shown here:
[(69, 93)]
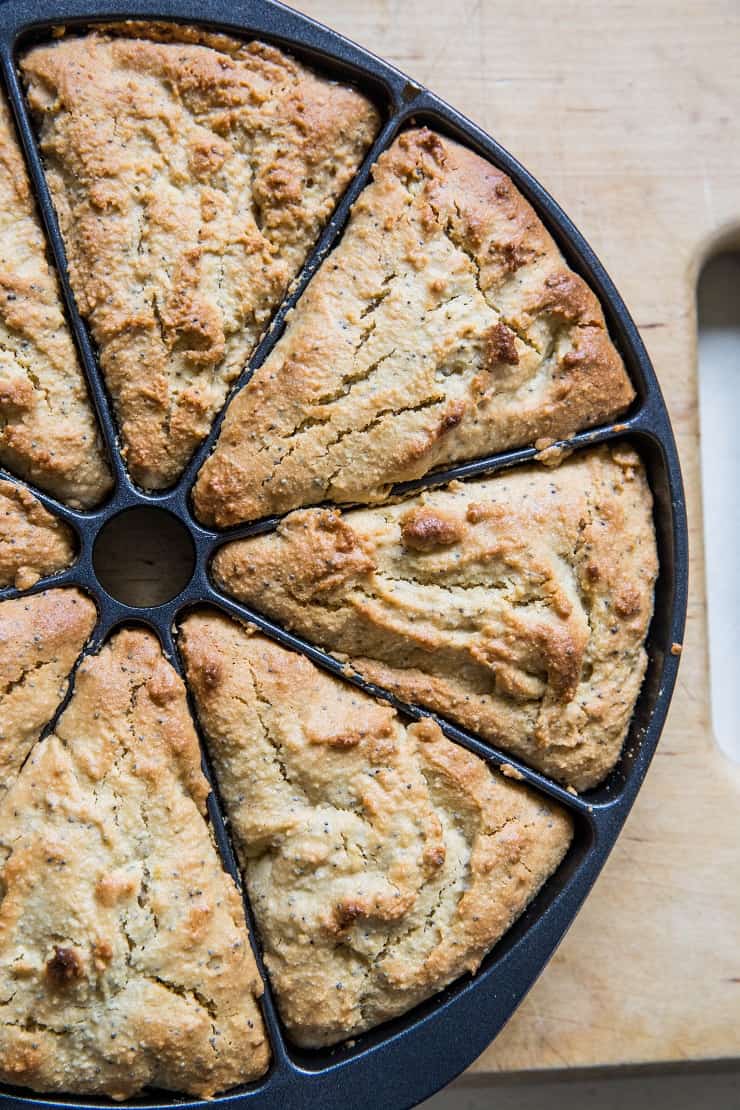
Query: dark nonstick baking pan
[(404, 1061)]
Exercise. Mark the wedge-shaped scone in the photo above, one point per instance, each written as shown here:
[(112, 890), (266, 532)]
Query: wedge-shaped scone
[(190, 181), (517, 606), (446, 325), (33, 543), (48, 432), (41, 638), (124, 954), (382, 861)]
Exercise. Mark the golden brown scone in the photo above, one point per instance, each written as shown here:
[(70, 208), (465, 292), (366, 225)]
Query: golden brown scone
[(190, 182), (33, 543), (124, 954), (48, 432), (446, 325), (382, 861), (41, 638), (517, 606)]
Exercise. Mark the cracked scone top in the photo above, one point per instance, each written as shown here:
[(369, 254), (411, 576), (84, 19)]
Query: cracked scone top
[(445, 325), (48, 432), (381, 860), (190, 179), (124, 954), (517, 606), (33, 544), (41, 638)]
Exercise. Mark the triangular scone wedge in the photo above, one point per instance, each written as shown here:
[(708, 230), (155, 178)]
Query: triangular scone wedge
[(48, 432), (33, 543), (190, 181), (381, 860), (446, 325), (517, 606), (124, 954), (41, 638)]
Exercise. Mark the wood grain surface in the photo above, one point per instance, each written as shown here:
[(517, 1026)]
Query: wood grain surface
[(628, 113)]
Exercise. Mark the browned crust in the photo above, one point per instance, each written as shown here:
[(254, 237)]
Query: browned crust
[(191, 175), (382, 861), (48, 433), (446, 325), (528, 629), (124, 954), (41, 638), (33, 543)]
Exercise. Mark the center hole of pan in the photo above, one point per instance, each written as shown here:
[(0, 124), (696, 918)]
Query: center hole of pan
[(144, 557)]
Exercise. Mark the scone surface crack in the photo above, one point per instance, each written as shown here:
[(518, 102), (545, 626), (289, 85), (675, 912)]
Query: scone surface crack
[(33, 543), (190, 180), (445, 326), (41, 639)]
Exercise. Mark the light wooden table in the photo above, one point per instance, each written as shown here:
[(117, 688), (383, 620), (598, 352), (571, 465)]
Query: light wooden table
[(629, 113)]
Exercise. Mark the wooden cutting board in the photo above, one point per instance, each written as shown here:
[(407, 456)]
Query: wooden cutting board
[(629, 113)]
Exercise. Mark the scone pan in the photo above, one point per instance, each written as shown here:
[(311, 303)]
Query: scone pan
[(406, 1060)]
